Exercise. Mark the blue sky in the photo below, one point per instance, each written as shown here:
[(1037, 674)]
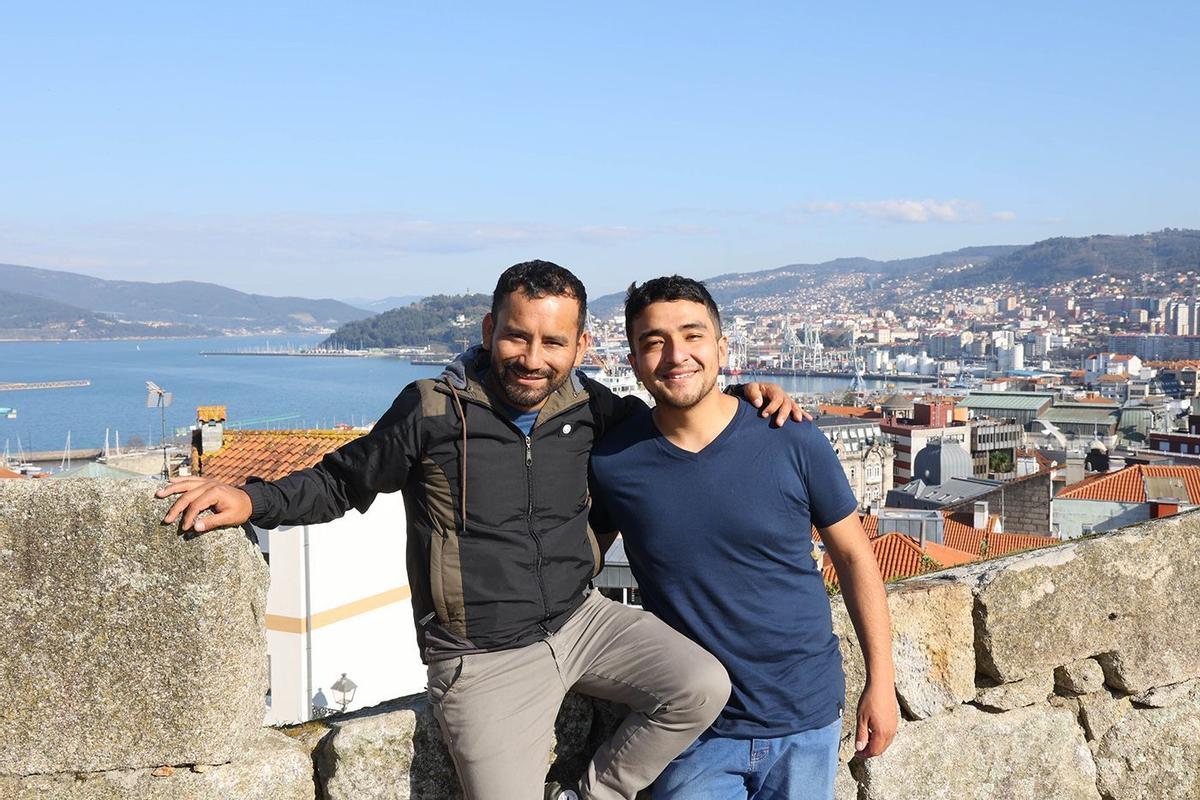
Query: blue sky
[(368, 149)]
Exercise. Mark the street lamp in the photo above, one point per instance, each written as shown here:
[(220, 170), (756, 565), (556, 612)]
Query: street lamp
[(343, 691)]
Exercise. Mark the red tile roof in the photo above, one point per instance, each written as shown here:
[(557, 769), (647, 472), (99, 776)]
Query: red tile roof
[(900, 556), (971, 540), (1174, 364), (961, 544), (268, 454), (1128, 485)]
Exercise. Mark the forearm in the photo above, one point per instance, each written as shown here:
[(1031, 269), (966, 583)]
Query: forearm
[(866, 602), (306, 497)]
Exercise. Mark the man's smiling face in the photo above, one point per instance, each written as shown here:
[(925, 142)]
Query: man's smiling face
[(535, 342), (677, 352)]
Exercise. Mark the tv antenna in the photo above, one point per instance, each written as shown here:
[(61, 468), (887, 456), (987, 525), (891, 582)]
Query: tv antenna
[(160, 397)]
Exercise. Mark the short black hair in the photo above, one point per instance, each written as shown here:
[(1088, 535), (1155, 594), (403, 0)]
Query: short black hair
[(538, 279), (665, 289)]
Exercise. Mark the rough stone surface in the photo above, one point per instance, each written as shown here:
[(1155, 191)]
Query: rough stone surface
[(271, 767), (395, 751), (1109, 597), (128, 650), (1027, 754), (123, 645), (1152, 754), (931, 647), (1099, 711), (1080, 677), (1018, 694), (1167, 696), (844, 787)]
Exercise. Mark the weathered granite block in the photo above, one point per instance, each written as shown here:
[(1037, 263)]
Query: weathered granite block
[(1018, 694), (931, 646), (1080, 677), (123, 645), (271, 767), (1167, 696), (1029, 754), (1107, 597), (1099, 711), (1152, 754)]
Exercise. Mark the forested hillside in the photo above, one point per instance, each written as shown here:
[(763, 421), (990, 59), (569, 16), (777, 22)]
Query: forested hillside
[(432, 321)]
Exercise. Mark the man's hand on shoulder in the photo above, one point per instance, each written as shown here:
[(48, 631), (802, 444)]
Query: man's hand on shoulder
[(878, 718), (771, 399), (231, 505)]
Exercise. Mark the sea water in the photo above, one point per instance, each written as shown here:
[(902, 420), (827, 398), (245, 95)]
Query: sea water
[(258, 391)]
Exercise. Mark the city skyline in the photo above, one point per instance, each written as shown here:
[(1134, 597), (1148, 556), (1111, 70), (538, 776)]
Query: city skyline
[(409, 151)]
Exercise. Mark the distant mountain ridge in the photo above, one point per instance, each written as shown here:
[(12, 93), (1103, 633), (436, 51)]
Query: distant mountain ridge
[(1039, 264), (25, 316), (1058, 259), (206, 306), (734, 289)]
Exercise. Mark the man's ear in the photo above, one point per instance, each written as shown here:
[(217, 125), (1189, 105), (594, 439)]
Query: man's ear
[(489, 327), (584, 344), (723, 352)]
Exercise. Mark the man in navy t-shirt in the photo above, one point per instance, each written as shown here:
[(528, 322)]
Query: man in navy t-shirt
[(715, 508)]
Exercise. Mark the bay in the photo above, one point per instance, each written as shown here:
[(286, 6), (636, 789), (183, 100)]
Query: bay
[(257, 391), (309, 392)]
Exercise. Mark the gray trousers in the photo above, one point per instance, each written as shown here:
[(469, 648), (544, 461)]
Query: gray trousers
[(497, 710)]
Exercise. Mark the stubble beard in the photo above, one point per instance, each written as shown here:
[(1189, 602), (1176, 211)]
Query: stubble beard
[(520, 396), (684, 402)]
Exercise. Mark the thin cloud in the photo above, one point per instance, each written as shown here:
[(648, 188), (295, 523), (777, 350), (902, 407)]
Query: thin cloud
[(902, 211), (174, 247)]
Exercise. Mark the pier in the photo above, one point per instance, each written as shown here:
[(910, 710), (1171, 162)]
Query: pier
[(19, 387), (81, 454)]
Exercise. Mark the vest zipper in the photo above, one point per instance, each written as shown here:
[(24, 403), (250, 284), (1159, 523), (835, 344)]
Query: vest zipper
[(537, 541)]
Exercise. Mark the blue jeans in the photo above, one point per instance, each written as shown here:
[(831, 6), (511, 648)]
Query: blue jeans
[(796, 767)]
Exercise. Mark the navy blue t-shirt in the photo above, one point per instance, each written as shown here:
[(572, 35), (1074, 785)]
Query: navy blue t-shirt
[(720, 543)]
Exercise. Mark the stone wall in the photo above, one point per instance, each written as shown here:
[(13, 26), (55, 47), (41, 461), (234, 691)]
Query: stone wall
[(126, 651), (132, 667), (1024, 504)]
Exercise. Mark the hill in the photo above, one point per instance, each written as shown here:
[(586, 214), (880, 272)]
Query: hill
[(437, 320), (738, 291), (1061, 259), (206, 305), (1044, 263), (25, 316)]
